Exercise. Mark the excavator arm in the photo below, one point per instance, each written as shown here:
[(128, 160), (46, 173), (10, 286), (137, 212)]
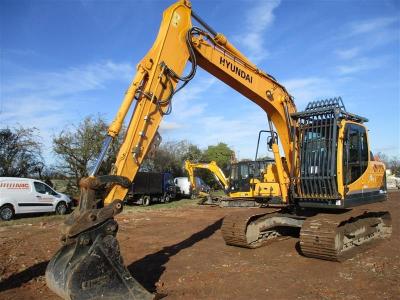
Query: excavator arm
[(89, 264), (212, 167)]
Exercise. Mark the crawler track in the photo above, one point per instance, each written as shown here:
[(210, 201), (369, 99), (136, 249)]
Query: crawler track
[(339, 237), (253, 229), (335, 237), (234, 227)]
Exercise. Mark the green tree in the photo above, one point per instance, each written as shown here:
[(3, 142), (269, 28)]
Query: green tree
[(220, 153), (20, 152)]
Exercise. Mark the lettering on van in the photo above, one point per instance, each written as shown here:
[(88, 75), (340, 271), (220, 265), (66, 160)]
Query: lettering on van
[(14, 185), (235, 69)]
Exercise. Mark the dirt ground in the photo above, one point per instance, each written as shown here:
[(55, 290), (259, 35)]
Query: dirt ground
[(180, 252)]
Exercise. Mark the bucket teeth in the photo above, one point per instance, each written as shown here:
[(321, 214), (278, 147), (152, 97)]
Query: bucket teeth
[(91, 267)]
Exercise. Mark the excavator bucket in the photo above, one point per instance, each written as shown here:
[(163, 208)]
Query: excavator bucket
[(92, 268), (89, 264)]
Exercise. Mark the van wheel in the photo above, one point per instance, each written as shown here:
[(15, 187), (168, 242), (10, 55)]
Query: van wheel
[(146, 200), (61, 208), (7, 212)]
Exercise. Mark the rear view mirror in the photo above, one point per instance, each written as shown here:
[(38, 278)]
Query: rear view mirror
[(269, 143)]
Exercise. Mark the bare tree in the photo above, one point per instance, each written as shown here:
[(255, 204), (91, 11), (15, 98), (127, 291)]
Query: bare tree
[(392, 163), (170, 156), (78, 147), (20, 152)]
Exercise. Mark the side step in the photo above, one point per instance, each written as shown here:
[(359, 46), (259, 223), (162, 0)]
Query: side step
[(229, 202)]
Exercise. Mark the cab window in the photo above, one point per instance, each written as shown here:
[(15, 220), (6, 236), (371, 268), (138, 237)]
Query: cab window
[(43, 189), (244, 171), (40, 188), (50, 191), (355, 153), (234, 172)]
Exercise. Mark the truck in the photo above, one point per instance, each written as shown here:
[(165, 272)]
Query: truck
[(151, 187), (25, 195)]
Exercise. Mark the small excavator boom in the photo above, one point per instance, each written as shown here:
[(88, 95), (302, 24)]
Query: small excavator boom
[(212, 167)]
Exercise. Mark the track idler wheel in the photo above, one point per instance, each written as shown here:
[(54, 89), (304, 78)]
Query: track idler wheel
[(91, 267)]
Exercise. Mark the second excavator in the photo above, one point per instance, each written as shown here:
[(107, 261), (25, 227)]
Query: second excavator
[(212, 166), (326, 179), (250, 184)]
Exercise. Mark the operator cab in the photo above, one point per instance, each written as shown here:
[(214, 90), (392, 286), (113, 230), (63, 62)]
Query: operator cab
[(334, 158), (242, 173)]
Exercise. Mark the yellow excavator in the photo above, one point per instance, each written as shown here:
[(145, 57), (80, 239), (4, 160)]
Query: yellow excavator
[(250, 184), (212, 166), (326, 178)]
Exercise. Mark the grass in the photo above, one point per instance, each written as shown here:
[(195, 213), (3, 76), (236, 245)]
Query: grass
[(30, 219), (182, 203), (161, 206), (217, 193)]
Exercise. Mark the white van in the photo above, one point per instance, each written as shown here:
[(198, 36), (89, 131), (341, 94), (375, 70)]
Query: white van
[(24, 195), (185, 189), (184, 186)]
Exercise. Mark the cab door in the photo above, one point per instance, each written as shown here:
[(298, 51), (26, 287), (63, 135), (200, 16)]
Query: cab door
[(355, 163), (244, 177), (44, 197), (20, 191)]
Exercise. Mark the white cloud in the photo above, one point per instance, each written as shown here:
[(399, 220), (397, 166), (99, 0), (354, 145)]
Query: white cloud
[(368, 26), (257, 20), (69, 81), (309, 89), (361, 64), (166, 126), (191, 100), (364, 36), (49, 100), (348, 53)]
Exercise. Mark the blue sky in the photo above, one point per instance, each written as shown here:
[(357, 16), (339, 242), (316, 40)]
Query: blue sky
[(64, 60)]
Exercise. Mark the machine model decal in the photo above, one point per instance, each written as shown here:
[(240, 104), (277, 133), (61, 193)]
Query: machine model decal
[(235, 69)]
